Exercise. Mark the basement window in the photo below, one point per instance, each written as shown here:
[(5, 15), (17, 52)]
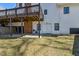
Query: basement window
[(66, 10), (56, 26)]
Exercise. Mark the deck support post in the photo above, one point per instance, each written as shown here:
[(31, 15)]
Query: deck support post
[(39, 21), (10, 27), (21, 25)]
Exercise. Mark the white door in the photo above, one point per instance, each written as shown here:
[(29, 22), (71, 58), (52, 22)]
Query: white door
[(46, 28)]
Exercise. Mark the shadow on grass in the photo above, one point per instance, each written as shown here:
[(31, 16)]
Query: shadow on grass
[(26, 48), (8, 38), (62, 48), (61, 42), (58, 42), (13, 36), (47, 45), (44, 46)]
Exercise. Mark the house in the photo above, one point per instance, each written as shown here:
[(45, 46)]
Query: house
[(55, 18), (60, 18)]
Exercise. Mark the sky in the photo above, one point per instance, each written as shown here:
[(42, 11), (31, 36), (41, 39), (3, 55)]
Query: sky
[(7, 5)]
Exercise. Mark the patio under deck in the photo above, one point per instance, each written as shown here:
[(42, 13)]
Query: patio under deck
[(21, 14)]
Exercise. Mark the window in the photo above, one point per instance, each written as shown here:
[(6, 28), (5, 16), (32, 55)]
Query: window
[(45, 12), (20, 4), (66, 10), (3, 25), (56, 26), (27, 4)]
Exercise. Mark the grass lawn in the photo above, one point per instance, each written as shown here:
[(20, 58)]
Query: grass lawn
[(52, 46), (45, 46)]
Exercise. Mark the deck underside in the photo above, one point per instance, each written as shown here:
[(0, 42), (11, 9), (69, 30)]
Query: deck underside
[(25, 15)]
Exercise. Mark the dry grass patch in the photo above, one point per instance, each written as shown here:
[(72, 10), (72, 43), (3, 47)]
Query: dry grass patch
[(45, 46), (61, 45), (10, 42)]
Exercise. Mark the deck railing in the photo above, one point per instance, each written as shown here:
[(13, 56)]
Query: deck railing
[(21, 11)]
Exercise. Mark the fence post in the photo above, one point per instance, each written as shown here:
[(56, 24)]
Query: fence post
[(10, 27)]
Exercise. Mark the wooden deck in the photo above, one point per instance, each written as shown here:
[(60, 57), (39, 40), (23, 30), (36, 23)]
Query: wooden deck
[(22, 12)]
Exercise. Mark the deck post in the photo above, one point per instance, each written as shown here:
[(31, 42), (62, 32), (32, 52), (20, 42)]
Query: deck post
[(10, 27), (39, 21), (21, 25)]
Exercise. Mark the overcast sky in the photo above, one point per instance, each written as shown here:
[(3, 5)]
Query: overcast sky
[(7, 5)]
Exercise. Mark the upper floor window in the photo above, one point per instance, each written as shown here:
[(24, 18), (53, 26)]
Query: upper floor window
[(66, 10), (20, 4), (45, 12)]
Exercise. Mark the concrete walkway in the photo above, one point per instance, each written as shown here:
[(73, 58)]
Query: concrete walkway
[(31, 36)]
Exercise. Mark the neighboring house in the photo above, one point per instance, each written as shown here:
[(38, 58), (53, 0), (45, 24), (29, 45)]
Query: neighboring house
[(59, 18)]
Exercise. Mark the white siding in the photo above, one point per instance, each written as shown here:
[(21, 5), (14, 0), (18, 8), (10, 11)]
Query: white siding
[(2, 13), (20, 11), (17, 4), (70, 20), (47, 26), (52, 11), (11, 12)]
